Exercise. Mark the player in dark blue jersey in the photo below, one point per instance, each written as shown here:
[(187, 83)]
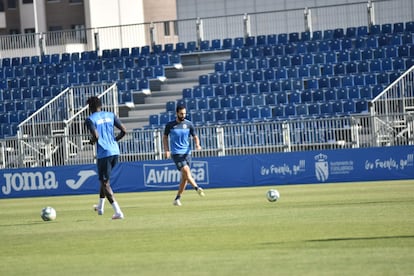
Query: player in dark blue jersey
[(101, 126), (177, 145)]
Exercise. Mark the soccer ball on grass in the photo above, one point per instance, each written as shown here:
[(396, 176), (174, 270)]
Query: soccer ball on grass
[(48, 213), (272, 195)]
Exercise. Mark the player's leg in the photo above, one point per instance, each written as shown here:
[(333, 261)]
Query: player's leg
[(111, 163)]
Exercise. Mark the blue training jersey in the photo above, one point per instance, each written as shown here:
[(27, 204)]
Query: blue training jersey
[(104, 123), (179, 133)]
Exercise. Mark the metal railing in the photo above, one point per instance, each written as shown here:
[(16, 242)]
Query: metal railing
[(52, 135), (364, 13), (395, 107), (217, 140)]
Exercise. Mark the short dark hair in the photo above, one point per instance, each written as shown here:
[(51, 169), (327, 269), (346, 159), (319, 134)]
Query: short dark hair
[(179, 107), (94, 103)]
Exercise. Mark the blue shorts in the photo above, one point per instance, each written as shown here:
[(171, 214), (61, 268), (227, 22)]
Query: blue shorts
[(105, 166), (181, 160)]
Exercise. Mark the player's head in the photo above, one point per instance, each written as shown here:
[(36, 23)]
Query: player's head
[(94, 103), (181, 113)]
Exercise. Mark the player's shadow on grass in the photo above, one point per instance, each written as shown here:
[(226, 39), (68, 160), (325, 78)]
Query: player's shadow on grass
[(360, 238)]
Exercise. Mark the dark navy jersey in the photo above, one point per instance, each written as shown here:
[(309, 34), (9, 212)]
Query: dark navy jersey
[(179, 133)]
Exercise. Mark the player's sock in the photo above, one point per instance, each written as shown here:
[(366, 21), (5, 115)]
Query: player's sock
[(116, 207), (177, 197), (101, 203)]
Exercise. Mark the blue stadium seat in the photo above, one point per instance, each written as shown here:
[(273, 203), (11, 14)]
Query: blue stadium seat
[(355, 55), (213, 102), (323, 46), (407, 38), (305, 36), (396, 39), (326, 108), (250, 41), (351, 67), (347, 81), (353, 92), (361, 106), (238, 42), (359, 79), (361, 42), (317, 35), (275, 86), (191, 46), (225, 102), (190, 104), (330, 57), (253, 87), (339, 69), (372, 42), (365, 92), (208, 116), (264, 86), (219, 90), (202, 103), (398, 27), (314, 109), (328, 34), (375, 29), (329, 94), (386, 28), (351, 32), (409, 26), (335, 45), (278, 111), (314, 70), (318, 95), (271, 39), (220, 115), (363, 66), (323, 82), (383, 40), (342, 93), (231, 115), (283, 38), (375, 66), (227, 43)]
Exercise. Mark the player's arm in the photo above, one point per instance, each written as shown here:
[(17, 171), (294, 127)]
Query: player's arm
[(94, 133), (195, 137), (121, 127), (166, 146), (197, 142)]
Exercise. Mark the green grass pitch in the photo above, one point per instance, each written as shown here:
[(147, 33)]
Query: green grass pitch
[(325, 229)]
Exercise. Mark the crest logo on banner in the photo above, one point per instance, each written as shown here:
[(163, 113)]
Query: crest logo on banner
[(321, 167)]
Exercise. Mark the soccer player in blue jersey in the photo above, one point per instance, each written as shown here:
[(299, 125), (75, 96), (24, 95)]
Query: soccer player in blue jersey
[(177, 136), (101, 126)]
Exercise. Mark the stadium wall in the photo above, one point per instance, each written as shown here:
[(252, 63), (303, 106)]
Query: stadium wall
[(310, 167)]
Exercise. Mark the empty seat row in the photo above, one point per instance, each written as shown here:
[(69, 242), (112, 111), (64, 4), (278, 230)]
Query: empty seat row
[(315, 70), (88, 66), (74, 78), (313, 48), (267, 112)]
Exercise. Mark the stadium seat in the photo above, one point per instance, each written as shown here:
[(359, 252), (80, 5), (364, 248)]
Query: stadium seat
[(351, 32), (398, 27), (314, 109)]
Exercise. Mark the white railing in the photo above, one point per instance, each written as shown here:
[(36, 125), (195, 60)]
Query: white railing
[(56, 132), (196, 29), (217, 140), (395, 107)]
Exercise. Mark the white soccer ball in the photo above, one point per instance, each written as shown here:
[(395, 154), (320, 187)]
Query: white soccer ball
[(48, 213), (272, 195)]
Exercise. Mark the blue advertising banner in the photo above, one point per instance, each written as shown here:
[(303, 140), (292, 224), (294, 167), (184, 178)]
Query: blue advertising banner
[(325, 166)]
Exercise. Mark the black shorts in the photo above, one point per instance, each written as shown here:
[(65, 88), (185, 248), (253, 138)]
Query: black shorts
[(181, 160), (105, 166)]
